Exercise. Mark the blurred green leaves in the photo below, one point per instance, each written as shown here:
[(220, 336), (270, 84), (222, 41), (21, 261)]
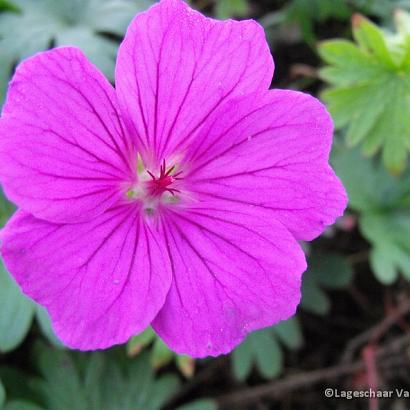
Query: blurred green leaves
[(384, 204), (325, 271), (390, 236), (16, 313), (93, 25), (368, 95), (369, 91), (203, 404), (6, 209), (7, 5), (305, 13), (21, 405), (100, 381), (263, 349), (231, 8), (381, 8), (2, 395)]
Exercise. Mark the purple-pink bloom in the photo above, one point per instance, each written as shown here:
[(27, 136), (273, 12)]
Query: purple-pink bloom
[(174, 200)]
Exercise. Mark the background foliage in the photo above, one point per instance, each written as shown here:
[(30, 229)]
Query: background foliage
[(355, 55)]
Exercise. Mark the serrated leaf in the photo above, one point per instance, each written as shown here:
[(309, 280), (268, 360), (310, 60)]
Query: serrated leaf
[(16, 312), (384, 203), (100, 381), (370, 90), (61, 386), (263, 350), (260, 349), (368, 185), (389, 233), (371, 39)]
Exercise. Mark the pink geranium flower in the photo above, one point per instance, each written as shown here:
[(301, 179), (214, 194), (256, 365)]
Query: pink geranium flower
[(174, 200)]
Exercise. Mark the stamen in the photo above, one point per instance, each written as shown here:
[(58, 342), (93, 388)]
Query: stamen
[(158, 185)]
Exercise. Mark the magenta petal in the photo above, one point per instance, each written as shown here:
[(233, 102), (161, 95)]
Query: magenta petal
[(175, 67), (234, 271), (63, 149), (101, 281), (270, 150)]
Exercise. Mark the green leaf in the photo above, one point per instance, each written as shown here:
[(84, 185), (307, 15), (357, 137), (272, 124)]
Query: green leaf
[(268, 353), (100, 50), (305, 13), (369, 89), (68, 22), (331, 269), (16, 383), (389, 233), (6, 208), (313, 297), (381, 8), (21, 405), (382, 264), (371, 39), (2, 395), (204, 404), (369, 187), (100, 381), (242, 360), (384, 203), (44, 322), (61, 386), (289, 333), (326, 270), (6, 65), (263, 350), (161, 355), (16, 312), (7, 5)]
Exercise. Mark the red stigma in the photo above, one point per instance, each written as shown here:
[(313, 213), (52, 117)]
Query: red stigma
[(158, 185)]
